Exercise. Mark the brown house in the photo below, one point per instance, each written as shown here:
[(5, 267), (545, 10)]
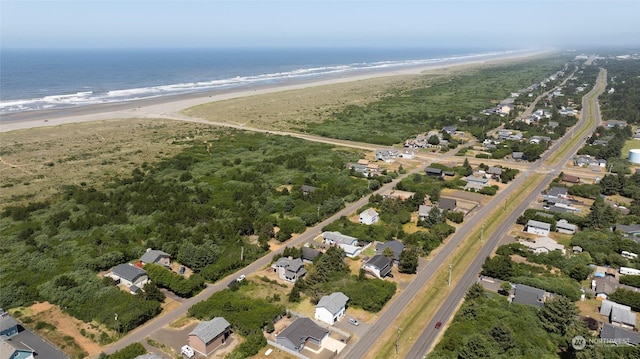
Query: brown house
[(570, 179), (209, 335)]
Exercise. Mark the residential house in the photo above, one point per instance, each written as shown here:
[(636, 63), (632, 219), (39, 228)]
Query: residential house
[(289, 269), (430, 171), (557, 192), (449, 173), (563, 226), (570, 179), (423, 212), (306, 189), (154, 256), (618, 314), (543, 245), (586, 161), (407, 154), (331, 307), (614, 123), (396, 246), (386, 155), (628, 231), (538, 228), (494, 172), (553, 124), (308, 254), (209, 335), (378, 265), (517, 156), (8, 325), (369, 216), (14, 350), (450, 129), (347, 243), (525, 294), (618, 336), (301, 332), (605, 285), (450, 204), (576, 249), (130, 276), (476, 183)]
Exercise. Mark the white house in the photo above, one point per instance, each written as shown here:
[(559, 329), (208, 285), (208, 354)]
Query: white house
[(331, 307), (538, 228), (347, 243), (369, 216), (543, 245)]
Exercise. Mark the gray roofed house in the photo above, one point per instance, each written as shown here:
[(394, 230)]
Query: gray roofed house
[(517, 155), (563, 226), (450, 129), (423, 211), (306, 189), (208, 335), (431, 171), (395, 245), (156, 257), (450, 204), (308, 253), (130, 275), (618, 313), (8, 325), (14, 350), (339, 238), (628, 231), (525, 294), (331, 307), (289, 269), (301, 331), (558, 192), (619, 336), (538, 228), (495, 171), (378, 265)]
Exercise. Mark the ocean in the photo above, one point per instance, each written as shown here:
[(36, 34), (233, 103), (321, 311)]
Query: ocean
[(50, 79)]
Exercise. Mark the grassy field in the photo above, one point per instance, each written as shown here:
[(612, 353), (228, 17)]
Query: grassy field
[(428, 301)]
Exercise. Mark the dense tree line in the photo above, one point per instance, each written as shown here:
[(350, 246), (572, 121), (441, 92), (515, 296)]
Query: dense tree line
[(623, 103), (201, 206), (176, 283)]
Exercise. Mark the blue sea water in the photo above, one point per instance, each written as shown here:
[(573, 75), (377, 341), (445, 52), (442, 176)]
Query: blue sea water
[(49, 79)]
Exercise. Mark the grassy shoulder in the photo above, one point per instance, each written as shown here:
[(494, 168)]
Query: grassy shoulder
[(436, 290)]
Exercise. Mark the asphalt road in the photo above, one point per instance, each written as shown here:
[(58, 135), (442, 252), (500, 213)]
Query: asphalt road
[(140, 333), (428, 336)]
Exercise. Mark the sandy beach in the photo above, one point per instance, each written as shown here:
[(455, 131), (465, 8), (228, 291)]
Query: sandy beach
[(169, 107)]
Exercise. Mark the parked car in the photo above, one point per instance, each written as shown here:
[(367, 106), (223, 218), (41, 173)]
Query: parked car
[(438, 325), (187, 351), (353, 321), (241, 278)]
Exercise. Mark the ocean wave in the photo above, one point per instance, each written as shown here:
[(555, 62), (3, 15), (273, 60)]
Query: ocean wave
[(82, 98)]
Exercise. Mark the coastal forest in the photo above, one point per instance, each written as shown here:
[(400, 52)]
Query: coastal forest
[(213, 207)]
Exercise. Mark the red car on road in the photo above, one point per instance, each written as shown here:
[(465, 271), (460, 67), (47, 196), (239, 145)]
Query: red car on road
[(438, 325)]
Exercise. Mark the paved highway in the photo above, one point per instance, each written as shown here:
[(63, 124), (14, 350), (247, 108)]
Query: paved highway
[(590, 108)]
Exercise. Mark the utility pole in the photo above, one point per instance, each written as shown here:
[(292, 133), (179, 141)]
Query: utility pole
[(450, 269), (397, 339), (482, 233), (241, 254), (117, 323)]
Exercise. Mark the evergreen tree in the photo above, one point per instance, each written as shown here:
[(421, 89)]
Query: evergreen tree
[(408, 262)]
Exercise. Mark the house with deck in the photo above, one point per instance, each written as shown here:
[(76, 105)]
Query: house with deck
[(302, 332), (378, 265), (154, 256), (538, 228), (369, 216), (289, 269)]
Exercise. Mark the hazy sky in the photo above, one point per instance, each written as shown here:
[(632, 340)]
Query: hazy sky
[(192, 23)]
